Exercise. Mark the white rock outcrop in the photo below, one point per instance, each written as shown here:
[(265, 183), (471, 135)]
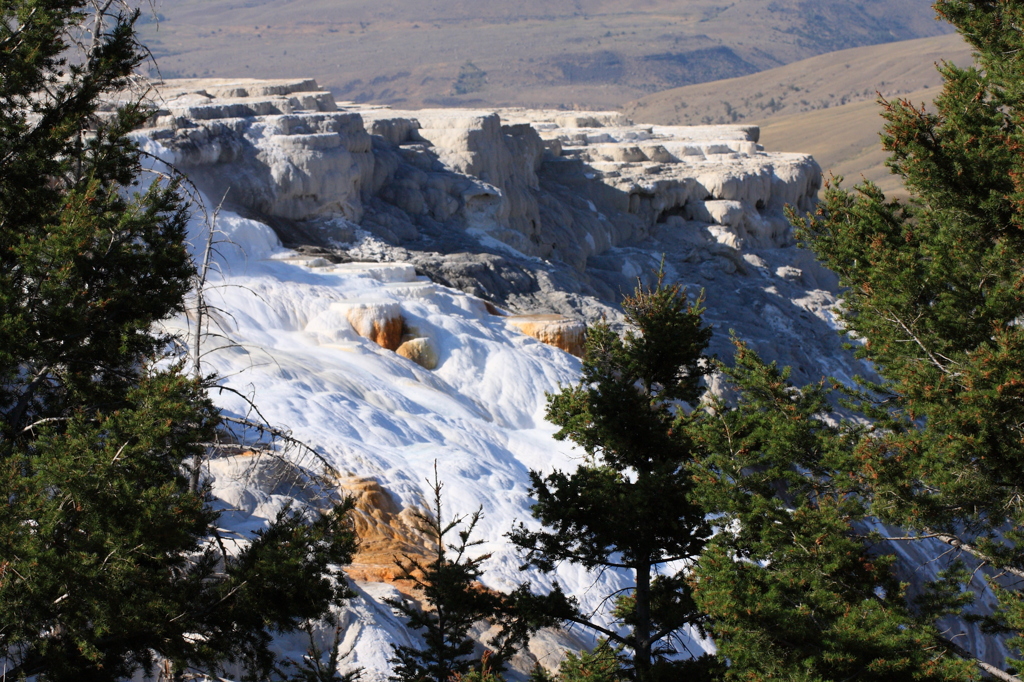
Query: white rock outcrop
[(535, 211), (545, 183), (281, 148), (539, 212)]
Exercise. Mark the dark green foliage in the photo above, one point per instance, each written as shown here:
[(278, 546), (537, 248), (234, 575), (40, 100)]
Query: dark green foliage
[(935, 288), (936, 295), (603, 664), (628, 506), (606, 664), (94, 527), (107, 559), (456, 601), (792, 588), (288, 575)]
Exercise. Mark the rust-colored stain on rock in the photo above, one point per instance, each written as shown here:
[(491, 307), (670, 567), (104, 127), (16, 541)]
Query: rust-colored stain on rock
[(381, 323), (555, 330), (387, 534)]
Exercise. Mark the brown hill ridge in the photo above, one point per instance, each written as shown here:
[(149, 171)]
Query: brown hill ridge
[(823, 82)]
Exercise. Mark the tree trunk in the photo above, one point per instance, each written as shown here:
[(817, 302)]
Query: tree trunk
[(642, 631)]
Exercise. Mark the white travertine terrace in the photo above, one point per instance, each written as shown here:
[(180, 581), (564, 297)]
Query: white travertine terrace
[(286, 149)]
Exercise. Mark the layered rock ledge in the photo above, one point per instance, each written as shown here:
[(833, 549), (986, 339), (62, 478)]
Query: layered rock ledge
[(287, 150), (538, 212)]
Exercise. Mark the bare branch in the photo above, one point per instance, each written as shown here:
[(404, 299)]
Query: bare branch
[(931, 356), (610, 634), (987, 667), (40, 422), (286, 437), (957, 543)]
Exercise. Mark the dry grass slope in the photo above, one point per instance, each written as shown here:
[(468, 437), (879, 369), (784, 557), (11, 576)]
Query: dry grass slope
[(823, 82), (825, 106), (844, 140)]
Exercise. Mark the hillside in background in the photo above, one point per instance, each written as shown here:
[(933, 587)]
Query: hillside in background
[(844, 140), (554, 53), (825, 106), (822, 82)]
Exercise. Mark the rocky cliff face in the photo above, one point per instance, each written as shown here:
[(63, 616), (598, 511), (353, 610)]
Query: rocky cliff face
[(535, 211)]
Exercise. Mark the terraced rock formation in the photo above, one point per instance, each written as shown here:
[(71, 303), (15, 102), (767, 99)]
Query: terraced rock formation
[(534, 211)]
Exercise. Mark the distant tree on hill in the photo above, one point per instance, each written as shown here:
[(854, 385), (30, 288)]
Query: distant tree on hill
[(107, 558)]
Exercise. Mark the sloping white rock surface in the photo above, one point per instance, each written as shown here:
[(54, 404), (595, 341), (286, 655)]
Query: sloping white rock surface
[(288, 342), (537, 211)]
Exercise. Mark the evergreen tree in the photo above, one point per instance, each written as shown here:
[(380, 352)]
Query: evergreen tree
[(628, 506), (603, 664), (792, 584), (790, 587), (106, 559), (936, 296)]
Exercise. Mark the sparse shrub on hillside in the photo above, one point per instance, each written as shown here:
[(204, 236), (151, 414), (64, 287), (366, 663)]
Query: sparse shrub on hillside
[(471, 79)]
